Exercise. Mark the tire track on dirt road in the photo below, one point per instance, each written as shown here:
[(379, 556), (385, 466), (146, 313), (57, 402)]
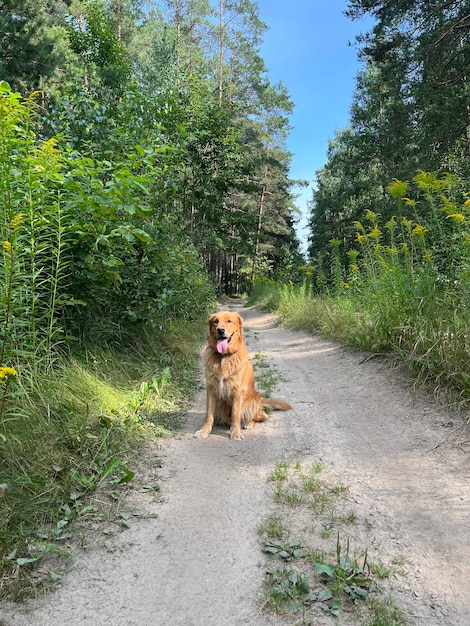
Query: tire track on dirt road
[(200, 562)]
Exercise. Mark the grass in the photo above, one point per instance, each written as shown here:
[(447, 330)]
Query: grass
[(75, 433), (266, 377), (312, 573), (436, 350), (303, 486)]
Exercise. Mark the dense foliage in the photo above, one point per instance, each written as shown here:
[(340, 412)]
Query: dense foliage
[(149, 155), (390, 241), (389, 247)]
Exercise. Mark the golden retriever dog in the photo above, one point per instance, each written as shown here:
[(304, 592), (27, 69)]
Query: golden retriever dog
[(232, 399)]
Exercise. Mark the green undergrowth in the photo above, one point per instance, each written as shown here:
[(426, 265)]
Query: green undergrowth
[(71, 440), (436, 349), (322, 556), (402, 287)]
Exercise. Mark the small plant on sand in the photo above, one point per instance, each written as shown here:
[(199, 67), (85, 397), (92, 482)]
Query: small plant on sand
[(266, 377), (301, 580), (273, 527)]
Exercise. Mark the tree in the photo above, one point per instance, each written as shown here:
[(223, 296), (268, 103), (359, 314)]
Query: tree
[(29, 53), (432, 39), (347, 185), (96, 40)]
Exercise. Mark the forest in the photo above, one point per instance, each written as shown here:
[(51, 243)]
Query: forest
[(144, 173)]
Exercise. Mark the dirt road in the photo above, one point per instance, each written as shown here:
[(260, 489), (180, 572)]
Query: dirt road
[(200, 563)]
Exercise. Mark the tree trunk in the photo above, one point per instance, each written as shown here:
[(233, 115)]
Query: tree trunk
[(260, 223), (221, 51)]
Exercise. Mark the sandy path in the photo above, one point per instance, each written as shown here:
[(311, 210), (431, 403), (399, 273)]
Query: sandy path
[(200, 563)]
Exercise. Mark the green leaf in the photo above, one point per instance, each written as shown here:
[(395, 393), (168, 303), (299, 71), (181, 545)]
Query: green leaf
[(57, 577), (125, 523), (325, 594), (312, 597), (270, 549), (112, 261), (291, 607), (304, 586), (336, 607), (142, 235), (127, 476), (25, 561), (144, 211), (11, 556), (325, 569)]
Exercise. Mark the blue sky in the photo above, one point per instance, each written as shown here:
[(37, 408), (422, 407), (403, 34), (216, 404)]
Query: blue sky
[(306, 47)]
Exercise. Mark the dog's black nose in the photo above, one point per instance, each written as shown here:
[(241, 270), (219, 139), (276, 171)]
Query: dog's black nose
[(221, 332)]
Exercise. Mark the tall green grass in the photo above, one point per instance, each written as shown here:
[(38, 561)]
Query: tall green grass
[(71, 439), (405, 289)]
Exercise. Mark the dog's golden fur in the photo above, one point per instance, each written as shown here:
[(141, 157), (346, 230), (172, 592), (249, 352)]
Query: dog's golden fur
[(232, 399)]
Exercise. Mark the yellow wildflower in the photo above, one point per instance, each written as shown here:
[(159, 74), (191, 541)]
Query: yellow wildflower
[(456, 217), (6, 245), (397, 188), (426, 180), (7, 371), (410, 202), (35, 95), (419, 230), (375, 233), (371, 216), (390, 225), (360, 238), (16, 221)]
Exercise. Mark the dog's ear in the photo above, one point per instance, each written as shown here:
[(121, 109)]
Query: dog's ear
[(211, 318)]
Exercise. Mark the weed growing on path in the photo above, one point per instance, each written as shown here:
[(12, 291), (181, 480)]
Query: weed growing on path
[(266, 377), (307, 573)]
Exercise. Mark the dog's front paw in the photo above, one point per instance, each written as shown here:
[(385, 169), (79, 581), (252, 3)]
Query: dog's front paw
[(201, 434), (236, 435)]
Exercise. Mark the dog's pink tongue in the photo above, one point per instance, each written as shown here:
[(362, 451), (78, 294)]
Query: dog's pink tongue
[(222, 346)]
